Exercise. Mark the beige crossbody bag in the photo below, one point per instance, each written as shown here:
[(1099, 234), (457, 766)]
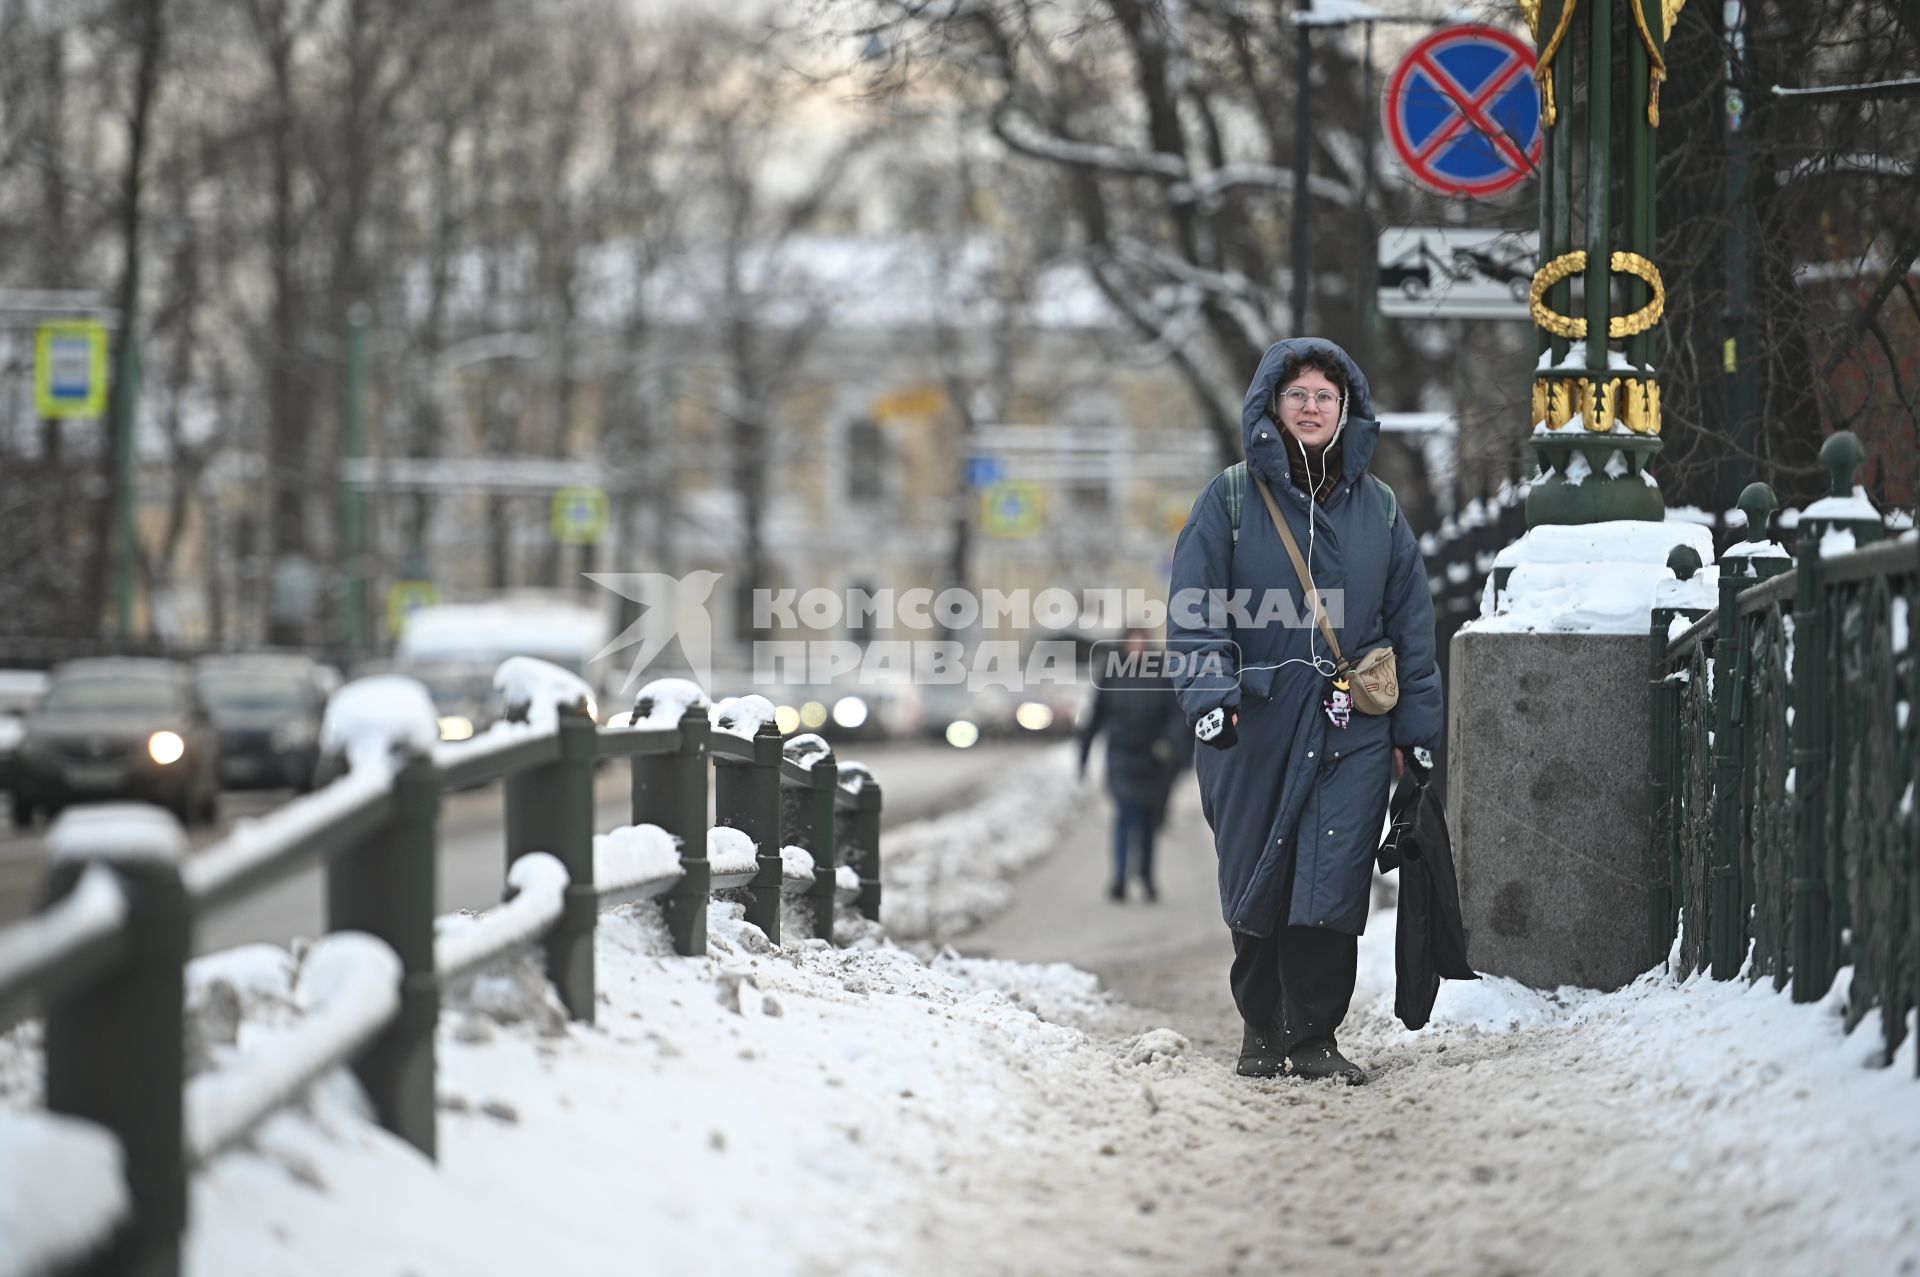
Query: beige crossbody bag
[(1375, 681)]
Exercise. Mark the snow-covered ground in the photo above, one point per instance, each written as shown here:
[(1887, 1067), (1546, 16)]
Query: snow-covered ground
[(875, 1110)]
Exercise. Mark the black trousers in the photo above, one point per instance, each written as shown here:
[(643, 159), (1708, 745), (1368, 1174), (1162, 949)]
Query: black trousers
[(1309, 970)]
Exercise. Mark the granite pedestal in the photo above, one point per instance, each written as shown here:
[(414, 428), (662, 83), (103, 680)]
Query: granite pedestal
[(1548, 797)]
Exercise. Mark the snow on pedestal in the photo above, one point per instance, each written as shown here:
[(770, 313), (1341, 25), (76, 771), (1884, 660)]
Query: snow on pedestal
[(371, 719), (1596, 578)]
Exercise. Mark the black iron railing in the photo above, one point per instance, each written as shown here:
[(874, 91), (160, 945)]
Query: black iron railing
[(104, 957), (1783, 839)]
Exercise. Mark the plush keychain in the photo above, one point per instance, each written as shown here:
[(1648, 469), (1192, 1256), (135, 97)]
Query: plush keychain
[(1339, 702)]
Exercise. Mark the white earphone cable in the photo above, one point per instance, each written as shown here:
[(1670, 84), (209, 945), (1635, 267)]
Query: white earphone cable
[(1321, 665)]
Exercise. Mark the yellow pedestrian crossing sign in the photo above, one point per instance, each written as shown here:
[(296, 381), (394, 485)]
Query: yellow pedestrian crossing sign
[(1010, 509), (579, 515), (70, 369), (404, 598)]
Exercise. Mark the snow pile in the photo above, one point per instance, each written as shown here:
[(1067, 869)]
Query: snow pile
[(664, 702), (944, 875), (62, 1190), (796, 867), (534, 691), (855, 777), (805, 749), (741, 716), (785, 1076), (251, 984), (634, 853), (349, 987), (1599, 578), (371, 719), (731, 851)]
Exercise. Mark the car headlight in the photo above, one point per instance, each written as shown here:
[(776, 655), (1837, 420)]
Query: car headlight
[(456, 727), (297, 734), (849, 712), (961, 734), (1035, 716), (166, 748), (812, 715), (787, 719)]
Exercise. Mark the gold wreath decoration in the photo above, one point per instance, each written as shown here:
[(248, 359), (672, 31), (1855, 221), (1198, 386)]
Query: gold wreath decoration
[(1619, 327)]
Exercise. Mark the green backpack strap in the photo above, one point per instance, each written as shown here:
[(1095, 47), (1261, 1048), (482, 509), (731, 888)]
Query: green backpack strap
[(1387, 499), (1236, 476)]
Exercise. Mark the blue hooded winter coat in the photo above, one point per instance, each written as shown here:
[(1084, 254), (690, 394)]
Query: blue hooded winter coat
[(1297, 794)]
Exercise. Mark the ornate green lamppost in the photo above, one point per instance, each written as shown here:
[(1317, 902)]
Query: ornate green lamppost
[(1596, 392)]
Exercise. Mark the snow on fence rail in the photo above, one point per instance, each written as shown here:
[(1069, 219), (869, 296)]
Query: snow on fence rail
[(1785, 756), (104, 957)]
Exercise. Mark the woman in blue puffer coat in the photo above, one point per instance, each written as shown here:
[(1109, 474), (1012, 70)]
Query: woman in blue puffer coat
[(1295, 790)]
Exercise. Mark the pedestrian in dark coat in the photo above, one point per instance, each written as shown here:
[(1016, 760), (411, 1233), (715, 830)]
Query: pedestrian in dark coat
[(1296, 802), (1146, 745)]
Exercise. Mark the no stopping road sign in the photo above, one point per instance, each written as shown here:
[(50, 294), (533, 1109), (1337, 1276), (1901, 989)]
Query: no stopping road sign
[(1463, 111)]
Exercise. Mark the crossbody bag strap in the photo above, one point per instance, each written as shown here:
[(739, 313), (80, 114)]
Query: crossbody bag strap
[(1300, 568)]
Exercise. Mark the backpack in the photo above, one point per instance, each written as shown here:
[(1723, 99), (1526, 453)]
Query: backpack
[(1237, 496)]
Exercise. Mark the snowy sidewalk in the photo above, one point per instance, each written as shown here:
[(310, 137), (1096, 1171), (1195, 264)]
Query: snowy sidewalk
[(1664, 1128)]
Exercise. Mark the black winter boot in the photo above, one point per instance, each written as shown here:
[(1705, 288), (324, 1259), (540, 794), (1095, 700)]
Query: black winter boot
[(1260, 1053), (1319, 1058)]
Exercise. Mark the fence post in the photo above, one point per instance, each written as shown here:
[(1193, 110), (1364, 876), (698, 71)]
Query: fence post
[(670, 790), (551, 809), (1726, 925), (857, 833), (1812, 928), (1663, 746), (746, 796), (386, 887), (115, 1051), (808, 810)]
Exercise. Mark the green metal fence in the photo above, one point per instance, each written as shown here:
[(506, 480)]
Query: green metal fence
[(1783, 839), (104, 957)]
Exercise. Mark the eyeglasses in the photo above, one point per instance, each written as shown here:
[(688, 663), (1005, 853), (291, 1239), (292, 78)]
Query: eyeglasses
[(1297, 399)]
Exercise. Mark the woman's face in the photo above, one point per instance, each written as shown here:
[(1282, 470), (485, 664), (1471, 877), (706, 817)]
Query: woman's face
[(1314, 415)]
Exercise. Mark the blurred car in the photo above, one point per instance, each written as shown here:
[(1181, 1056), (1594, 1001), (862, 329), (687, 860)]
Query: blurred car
[(268, 710), (20, 694), (463, 695), (118, 729)]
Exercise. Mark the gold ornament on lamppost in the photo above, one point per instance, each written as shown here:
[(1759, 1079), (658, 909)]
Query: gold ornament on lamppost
[(1590, 399)]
